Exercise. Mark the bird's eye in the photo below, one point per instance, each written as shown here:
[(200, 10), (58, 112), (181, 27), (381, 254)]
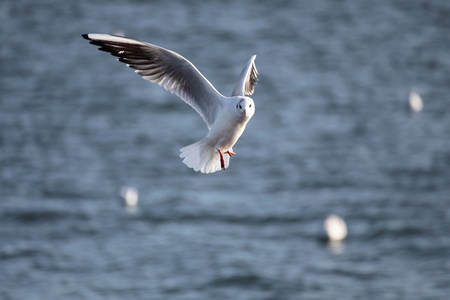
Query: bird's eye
[(250, 105), (240, 106)]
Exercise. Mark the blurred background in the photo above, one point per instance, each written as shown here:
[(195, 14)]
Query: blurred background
[(332, 134)]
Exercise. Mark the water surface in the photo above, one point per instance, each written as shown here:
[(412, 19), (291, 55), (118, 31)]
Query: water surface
[(331, 134)]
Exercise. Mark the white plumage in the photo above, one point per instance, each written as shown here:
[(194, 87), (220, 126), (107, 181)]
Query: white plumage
[(226, 117), (130, 196), (335, 227), (415, 101)]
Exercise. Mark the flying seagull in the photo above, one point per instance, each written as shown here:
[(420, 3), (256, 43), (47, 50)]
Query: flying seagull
[(226, 117)]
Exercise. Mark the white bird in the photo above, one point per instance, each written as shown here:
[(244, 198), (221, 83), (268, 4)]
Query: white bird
[(335, 227), (415, 101), (130, 196), (226, 117)]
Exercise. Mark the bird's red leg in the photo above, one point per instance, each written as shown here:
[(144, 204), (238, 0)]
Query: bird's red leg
[(222, 161), (230, 153)]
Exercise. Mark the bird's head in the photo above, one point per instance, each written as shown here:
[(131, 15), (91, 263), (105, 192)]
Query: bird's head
[(245, 106)]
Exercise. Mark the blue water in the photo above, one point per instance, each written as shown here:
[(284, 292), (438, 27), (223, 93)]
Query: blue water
[(331, 134)]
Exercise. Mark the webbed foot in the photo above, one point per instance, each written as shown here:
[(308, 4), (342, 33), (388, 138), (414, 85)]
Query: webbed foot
[(230, 153)]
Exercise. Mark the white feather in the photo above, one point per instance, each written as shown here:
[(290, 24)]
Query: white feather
[(226, 117)]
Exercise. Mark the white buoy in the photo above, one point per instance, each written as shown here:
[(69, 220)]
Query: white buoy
[(415, 101), (335, 228), (130, 195)]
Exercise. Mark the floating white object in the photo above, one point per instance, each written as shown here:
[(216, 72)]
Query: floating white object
[(335, 227), (130, 195), (415, 101)]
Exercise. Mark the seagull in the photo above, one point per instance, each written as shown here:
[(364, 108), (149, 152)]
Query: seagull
[(226, 117), (335, 227), (415, 101), (130, 196)]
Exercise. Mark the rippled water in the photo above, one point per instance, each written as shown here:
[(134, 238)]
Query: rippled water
[(331, 134)]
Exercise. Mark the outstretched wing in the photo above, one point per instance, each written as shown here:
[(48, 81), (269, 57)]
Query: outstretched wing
[(247, 80), (166, 68)]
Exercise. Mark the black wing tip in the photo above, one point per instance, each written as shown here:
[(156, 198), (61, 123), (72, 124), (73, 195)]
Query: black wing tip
[(102, 46)]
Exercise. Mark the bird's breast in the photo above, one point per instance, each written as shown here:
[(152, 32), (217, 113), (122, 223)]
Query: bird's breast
[(225, 133)]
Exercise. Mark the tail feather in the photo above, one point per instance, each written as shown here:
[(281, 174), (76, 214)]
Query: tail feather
[(202, 157)]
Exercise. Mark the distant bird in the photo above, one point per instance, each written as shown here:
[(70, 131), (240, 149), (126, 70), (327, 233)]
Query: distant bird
[(119, 32), (335, 228), (226, 117), (130, 196), (415, 101)]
